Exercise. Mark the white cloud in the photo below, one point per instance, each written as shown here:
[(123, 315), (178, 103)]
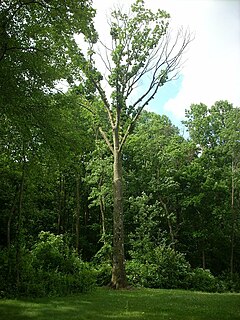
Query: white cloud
[(212, 71)]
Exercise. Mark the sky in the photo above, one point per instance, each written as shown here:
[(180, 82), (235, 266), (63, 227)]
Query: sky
[(211, 71)]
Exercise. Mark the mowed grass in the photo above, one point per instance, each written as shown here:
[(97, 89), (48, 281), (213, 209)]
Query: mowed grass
[(144, 304)]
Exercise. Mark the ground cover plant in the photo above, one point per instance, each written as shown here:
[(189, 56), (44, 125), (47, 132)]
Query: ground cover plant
[(105, 303)]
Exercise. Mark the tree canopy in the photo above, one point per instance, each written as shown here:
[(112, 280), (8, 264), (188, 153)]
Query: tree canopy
[(37, 50)]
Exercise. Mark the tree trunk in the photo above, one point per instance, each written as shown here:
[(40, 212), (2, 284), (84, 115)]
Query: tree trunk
[(118, 271), (169, 223), (77, 213), (102, 210), (61, 204), (233, 223), (20, 222), (203, 259), (13, 208)]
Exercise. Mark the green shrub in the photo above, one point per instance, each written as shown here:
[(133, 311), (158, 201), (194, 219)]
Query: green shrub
[(103, 273), (55, 283), (172, 266), (135, 274), (231, 282), (203, 280), (102, 262), (58, 270), (7, 272), (167, 268), (51, 253), (49, 269)]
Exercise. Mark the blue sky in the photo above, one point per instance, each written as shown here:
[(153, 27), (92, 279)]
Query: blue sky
[(169, 91)]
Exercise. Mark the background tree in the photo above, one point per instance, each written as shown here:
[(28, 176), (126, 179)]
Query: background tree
[(154, 157), (215, 131)]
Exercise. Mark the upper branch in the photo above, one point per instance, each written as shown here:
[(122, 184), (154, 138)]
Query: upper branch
[(165, 69)]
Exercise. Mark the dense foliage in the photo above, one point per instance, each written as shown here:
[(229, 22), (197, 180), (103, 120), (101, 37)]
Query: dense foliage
[(49, 268), (181, 204), (181, 195)]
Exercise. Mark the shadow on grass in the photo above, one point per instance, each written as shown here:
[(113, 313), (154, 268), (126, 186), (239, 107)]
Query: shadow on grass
[(11, 311), (137, 304)]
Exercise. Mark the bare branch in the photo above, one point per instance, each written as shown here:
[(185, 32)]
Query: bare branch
[(87, 108), (170, 64), (149, 66), (99, 128), (25, 49), (105, 100), (106, 139), (107, 63)]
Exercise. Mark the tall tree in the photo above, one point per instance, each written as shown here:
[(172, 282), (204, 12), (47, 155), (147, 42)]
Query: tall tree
[(142, 51)]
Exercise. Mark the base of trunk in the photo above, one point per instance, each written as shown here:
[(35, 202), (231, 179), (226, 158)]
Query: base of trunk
[(118, 287), (119, 280)]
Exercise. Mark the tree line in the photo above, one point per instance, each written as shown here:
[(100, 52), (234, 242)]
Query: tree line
[(90, 178)]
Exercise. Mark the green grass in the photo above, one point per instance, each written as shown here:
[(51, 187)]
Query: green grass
[(142, 304)]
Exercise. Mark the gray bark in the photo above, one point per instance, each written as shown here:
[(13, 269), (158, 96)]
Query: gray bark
[(118, 270)]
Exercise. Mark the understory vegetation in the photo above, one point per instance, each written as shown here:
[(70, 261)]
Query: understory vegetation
[(51, 268)]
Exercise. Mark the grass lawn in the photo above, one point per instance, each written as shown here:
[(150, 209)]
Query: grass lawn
[(142, 304)]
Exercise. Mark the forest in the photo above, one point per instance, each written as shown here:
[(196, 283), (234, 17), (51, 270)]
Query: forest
[(94, 189)]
